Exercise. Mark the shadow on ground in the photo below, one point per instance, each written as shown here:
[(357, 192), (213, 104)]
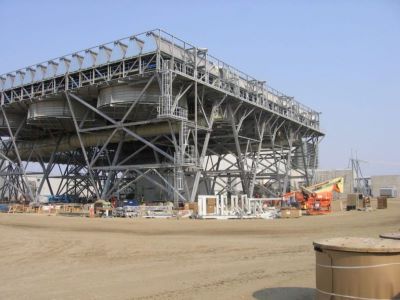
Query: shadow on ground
[(285, 293)]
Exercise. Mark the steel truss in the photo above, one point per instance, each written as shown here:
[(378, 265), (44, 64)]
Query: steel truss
[(214, 127)]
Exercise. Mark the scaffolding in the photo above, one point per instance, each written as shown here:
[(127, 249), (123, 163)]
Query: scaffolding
[(150, 107)]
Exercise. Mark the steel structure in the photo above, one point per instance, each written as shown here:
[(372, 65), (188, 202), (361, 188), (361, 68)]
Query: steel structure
[(150, 107)]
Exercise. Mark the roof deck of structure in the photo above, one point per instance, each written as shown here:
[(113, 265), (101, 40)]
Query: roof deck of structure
[(145, 53)]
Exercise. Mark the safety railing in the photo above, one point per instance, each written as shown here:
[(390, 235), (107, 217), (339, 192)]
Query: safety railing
[(133, 55)]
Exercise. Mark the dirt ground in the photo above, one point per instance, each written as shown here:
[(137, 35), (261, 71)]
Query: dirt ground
[(53, 257)]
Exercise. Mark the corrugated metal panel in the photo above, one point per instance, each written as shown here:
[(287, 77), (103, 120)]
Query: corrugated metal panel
[(124, 95), (309, 160), (115, 100), (13, 119), (54, 108)]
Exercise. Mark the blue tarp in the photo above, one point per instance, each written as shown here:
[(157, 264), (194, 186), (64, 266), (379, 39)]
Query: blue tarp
[(60, 199), (131, 202), (4, 207)]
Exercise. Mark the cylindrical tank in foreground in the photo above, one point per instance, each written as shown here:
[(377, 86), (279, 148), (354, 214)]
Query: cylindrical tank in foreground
[(391, 235), (357, 268)]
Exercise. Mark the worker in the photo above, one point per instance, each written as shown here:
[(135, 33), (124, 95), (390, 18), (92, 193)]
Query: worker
[(113, 201), (317, 205), (91, 211), (142, 199)]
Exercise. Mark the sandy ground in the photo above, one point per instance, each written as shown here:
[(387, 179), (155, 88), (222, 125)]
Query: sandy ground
[(49, 257)]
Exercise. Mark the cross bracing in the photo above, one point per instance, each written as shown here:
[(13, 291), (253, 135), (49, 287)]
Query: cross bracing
[(151, 108)]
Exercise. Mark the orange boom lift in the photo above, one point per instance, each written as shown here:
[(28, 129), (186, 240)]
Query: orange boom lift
[(317, 199)]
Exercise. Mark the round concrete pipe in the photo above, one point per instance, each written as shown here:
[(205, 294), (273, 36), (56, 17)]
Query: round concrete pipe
[(357, 268), (390, 235)]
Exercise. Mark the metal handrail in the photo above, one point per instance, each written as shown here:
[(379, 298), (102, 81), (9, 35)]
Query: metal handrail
[(101, 55)]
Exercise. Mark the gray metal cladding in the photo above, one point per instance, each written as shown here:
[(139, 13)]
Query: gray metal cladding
[(54, 108), (124, 95), (13, 119)]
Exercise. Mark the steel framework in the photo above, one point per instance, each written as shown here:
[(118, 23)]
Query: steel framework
[(213, 126)]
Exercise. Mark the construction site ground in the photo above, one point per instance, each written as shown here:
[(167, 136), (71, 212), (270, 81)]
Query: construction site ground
[(54, 257)]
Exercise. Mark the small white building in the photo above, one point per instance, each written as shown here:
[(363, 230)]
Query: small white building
[(384, 181)]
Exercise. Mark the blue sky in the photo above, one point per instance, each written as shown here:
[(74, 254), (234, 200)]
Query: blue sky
[(339, 57)]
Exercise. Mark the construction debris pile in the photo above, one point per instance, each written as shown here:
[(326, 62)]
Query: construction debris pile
[(358, 201), (207, 207), (146, 211), (313, 200), (218, 207)]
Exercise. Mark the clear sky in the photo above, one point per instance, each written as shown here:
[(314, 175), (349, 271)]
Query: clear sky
[(342, 58)]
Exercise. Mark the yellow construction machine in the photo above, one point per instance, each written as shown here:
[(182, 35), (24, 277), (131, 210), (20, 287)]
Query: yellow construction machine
[(317, 199)]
